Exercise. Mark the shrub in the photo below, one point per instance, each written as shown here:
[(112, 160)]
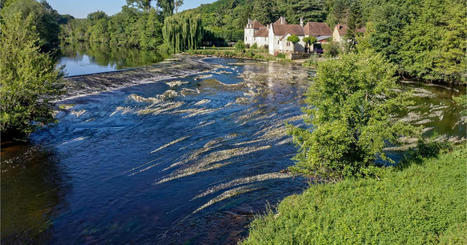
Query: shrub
[(281, 55), (331, 49), (240, 46), (254, 46), (28, 79), (350, 108)]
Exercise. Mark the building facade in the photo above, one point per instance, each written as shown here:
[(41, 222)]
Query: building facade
[(274, 36)]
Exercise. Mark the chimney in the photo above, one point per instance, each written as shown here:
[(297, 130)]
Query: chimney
[(301, 21), (283, 20)]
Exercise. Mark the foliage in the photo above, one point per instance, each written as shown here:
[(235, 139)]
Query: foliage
[(312, 62), (309, 40), (254, 46), (331, 49), (137, 25), (462, 101), (240, 46), (293, 39), (29, 79), (43, 17), (182, 32), (426, 40), (423, 204), (351, 105)]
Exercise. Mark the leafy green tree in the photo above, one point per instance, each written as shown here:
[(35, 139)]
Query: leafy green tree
[(351, 107), (177, 5), (450, 62), (293, 39), (309, 41), (240, 46), (44, 18), (263, 11), (353, 22), (183, 32), (151, 33), (141, 4), (167, 7), (29, 79)]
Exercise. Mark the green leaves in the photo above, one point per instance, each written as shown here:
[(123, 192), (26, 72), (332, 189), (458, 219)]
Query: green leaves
[(28, 78), (293, 39), (351, 107), (183, 32)]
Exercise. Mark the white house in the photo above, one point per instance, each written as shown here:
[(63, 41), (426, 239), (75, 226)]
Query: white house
[(274, 35)]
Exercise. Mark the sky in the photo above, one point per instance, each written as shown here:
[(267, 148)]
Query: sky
[(81, 8)]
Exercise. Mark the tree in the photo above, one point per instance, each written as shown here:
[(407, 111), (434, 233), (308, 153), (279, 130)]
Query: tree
[(350, 107), (167, 7), (182, 32), (29, 79), (178, 4), (44, 18), (240, 46), (293, 39), (353, 22), (309, 41), (144, 5), (263, 11)]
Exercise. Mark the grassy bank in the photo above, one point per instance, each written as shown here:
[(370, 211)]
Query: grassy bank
[(423, 204)]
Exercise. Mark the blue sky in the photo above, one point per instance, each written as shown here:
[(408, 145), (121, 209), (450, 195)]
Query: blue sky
[(81, 8)]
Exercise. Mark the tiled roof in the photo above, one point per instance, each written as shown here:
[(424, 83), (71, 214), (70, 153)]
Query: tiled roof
[(254, 24), (257, 24), (284, 29), (317, 29), (342, 29), (281, 21), (262, 32)]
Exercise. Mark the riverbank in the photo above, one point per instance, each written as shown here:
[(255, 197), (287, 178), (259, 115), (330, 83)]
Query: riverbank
[(252, 54), (422, 204)]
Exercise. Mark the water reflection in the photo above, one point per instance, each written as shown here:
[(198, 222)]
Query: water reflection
[(32, 188), (82, 59)]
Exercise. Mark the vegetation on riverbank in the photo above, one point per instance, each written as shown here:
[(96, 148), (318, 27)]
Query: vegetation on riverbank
[(29, 80), (350, 110), (422, 204)]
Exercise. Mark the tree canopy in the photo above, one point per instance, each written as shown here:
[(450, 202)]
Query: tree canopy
[(351, 110), (29, 79)]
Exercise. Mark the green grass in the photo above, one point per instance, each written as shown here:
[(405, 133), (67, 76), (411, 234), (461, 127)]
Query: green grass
[(422, 204)]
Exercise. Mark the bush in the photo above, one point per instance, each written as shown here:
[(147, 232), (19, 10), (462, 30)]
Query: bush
[(312, 62), (28, 79), (423, 204), (350, 108), (281, 55), (240, 46), (254, 46), (331, 49)]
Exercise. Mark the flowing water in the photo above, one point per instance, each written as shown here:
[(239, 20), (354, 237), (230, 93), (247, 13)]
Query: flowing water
[(189, 160)]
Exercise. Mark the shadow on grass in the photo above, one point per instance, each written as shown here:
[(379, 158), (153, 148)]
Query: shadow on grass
[(425, 149)]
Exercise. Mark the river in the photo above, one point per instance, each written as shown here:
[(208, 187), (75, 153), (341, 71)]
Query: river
[(188, 159)]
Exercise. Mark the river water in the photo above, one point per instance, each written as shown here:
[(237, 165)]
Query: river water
[(180, 161)]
